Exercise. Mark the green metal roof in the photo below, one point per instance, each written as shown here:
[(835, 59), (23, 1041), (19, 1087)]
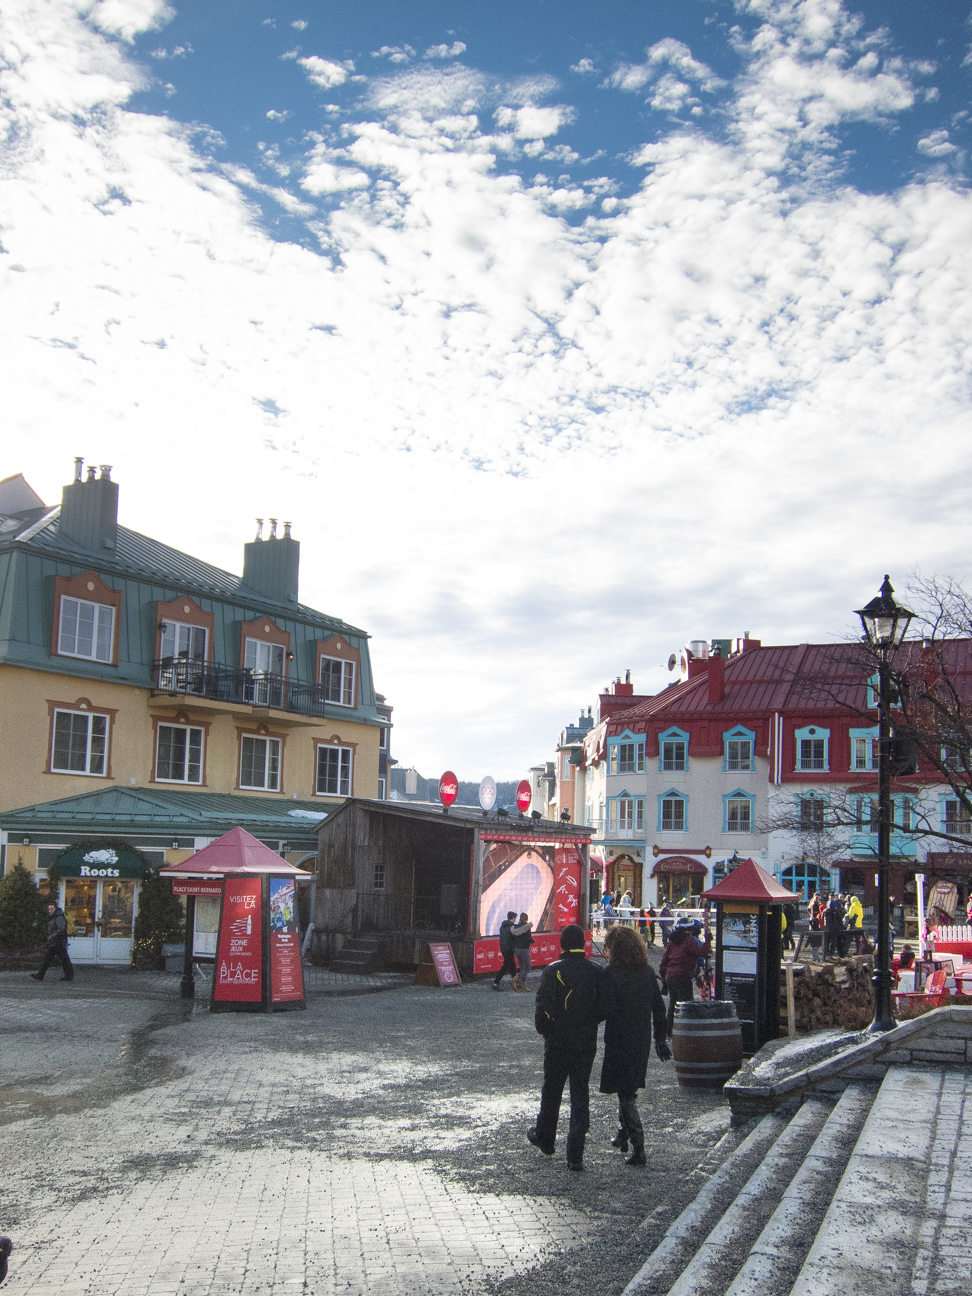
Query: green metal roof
[(168, 813)]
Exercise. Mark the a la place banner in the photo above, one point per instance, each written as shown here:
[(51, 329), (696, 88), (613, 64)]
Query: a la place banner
[(96, 861)]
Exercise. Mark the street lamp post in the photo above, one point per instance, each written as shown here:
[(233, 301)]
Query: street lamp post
[(885, 626)]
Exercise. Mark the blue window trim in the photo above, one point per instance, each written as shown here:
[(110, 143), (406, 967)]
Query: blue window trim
[(665, 796), (872, 694), (614, 759), (740, 733), (902, 844), (612, 810), (810, 732), (672, 735), (740, 794), (873, 732)]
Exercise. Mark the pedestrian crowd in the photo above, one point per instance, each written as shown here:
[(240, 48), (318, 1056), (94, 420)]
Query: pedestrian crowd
[(836, 923)]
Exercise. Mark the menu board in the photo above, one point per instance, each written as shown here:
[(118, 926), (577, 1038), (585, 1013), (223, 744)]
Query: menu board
[(286, 973), (445, 965), (238, 974)]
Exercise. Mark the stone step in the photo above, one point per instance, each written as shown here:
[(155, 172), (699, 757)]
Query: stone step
[(718, 1260), (696, 1221), (870, 1239), (781, 1249)]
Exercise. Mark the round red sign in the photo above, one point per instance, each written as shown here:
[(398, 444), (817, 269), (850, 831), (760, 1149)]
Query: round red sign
[(524, 795), (448, 788)]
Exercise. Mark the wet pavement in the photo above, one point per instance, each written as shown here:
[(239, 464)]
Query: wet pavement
[(372, 1144)]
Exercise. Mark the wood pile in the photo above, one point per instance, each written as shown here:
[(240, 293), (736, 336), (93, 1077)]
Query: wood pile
[(836, 993)]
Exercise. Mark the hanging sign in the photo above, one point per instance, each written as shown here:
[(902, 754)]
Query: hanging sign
[(97, 860), (487, 793), (286, 972), (197, 886), (238, 974), (448, 788), (524, 795)]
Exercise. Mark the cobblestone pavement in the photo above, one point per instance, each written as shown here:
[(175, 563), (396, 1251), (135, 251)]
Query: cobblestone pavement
[(372, 1144)]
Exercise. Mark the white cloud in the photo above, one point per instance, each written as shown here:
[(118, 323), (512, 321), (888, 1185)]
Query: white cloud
[(666, 54), (394, 53), (274, 115), (937, 145), (299, 24), (445, 51), (178, 51), (579, 444), (127, 18), (584, 67), (324, 72), (533, 123)]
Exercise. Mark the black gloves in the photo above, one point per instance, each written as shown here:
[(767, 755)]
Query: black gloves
[(663, 1051)]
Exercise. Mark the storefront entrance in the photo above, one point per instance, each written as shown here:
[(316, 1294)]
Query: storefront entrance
[(99, 919)]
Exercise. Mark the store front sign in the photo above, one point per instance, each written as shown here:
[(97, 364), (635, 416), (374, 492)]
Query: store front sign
[(88, 861), (197, 886)]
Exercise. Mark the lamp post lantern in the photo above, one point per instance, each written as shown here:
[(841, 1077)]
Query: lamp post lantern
[(885, 626)]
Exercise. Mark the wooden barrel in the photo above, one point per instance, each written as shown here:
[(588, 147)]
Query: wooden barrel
[(706, 1043)]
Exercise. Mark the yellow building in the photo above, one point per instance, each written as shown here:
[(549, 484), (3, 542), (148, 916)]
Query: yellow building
[(130, 668)]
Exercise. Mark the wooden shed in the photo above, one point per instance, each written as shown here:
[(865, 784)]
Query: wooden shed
[(405, 874)]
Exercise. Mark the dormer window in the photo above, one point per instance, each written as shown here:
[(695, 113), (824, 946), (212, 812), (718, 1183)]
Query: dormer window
[(86, 629)]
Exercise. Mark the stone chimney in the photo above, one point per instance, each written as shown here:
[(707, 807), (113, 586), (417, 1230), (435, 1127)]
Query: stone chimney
[(271, 566), (89, 509)]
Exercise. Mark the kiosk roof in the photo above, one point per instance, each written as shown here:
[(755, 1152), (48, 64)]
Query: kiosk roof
[(235, 852), (750, 882)]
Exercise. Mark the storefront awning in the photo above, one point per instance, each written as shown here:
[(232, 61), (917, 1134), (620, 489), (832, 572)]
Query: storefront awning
[(678, 864)]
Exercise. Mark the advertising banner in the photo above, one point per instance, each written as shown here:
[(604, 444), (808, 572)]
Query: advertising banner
[(286, 972), (546, 950), (542, 879), (238, 974)]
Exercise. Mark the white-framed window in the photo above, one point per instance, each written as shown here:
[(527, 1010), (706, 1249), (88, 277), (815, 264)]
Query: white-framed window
[(260, 763), (865, 749), (85, 629), (739, 754), (184, 642), (628, 814), (812, 749), (906, 816), (383, 738), (739, 815), (378, 877), (627, 756), (179, 754), (337, 680), (812, 812), (672, 817), (333, 771), (565, 765), (956, 818), (265, 686), (79, 744), (673, 754), (589, 815)]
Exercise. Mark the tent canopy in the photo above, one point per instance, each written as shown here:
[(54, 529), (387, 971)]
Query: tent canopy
[(235, 852), (751, 883)]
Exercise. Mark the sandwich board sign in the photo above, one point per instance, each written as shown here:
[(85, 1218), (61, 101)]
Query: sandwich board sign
[(438, 967)]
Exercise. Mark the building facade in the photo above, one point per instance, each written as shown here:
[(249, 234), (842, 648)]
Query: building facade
[(127, 664)]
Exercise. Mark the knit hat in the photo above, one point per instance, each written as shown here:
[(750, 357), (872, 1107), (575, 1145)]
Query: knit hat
[(572, 939)]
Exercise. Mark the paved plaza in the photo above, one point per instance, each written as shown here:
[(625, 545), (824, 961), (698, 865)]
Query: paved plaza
[(372, 1144)]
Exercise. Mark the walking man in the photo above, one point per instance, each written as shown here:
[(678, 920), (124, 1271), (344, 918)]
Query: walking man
[(678, 965), (57, 945), (506, 949), (571, 1001)]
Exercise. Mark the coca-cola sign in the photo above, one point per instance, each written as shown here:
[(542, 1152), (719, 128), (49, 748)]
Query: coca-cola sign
[(448, 788), (524, 795)]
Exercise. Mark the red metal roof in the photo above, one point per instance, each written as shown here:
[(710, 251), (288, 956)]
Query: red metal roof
[(235, 852), (749, 882)]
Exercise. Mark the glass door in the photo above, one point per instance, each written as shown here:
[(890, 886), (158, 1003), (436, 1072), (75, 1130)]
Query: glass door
[(80, 905), (114, 941), (264, 663)]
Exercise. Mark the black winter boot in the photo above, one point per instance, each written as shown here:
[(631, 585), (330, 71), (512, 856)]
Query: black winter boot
[(620, 1140), (575, 1151), (637, 1157)]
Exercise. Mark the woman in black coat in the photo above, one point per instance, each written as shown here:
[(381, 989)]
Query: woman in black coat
[(635, 1006)]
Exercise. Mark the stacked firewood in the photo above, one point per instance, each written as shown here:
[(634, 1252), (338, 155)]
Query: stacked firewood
[(836, 993)]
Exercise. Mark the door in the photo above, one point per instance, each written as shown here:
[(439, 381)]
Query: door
[(99, 919), (265, 664)]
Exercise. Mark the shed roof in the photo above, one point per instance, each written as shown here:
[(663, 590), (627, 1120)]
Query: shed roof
[(135, 810), (466, 817), (749, 882), (235, 852)]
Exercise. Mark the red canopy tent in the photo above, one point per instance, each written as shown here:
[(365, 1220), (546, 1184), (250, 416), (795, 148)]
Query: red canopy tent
[(235, 852), (748, 882)]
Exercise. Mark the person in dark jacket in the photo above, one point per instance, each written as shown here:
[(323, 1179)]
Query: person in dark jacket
[(834, 928), (678, 964), (523, 938), (571, 1001), (506, 949), (57, 945), (636, 1007), (666, 915)]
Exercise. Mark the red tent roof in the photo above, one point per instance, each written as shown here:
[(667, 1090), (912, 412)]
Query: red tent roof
[(235, 852), (749, 882)]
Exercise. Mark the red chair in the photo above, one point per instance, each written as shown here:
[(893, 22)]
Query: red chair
[(934, 995)]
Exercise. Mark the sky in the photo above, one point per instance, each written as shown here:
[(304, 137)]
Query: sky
[(563, 333)]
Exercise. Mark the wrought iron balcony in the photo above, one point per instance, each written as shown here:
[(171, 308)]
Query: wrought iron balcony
[(231, 684)]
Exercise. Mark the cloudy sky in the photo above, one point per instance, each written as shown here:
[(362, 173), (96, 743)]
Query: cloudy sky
[(563, 333)]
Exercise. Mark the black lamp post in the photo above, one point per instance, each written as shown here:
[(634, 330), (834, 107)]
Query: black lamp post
[(885, 626)]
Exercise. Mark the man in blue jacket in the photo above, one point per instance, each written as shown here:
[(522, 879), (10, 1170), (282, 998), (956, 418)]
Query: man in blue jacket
[(571, 1001), (506, 949)]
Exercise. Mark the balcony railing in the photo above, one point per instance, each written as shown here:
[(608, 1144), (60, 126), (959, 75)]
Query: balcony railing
[(230, 684)]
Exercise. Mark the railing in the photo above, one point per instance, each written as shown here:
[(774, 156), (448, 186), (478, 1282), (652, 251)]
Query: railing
[(229, 684)]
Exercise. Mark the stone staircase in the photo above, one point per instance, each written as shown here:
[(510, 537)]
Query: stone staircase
[(867, 1193), (358, 956)]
